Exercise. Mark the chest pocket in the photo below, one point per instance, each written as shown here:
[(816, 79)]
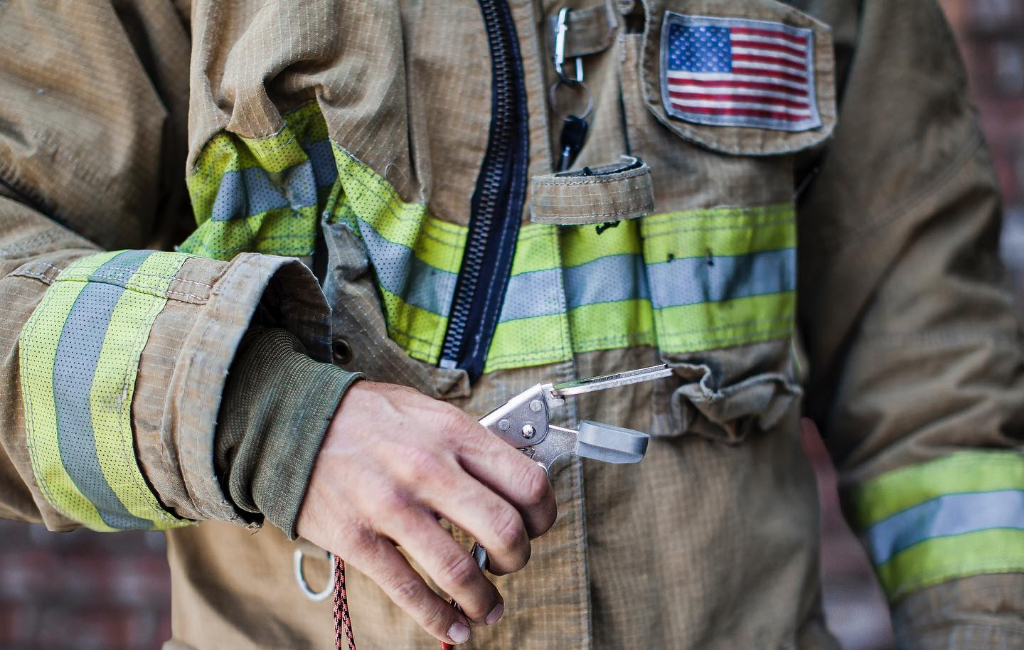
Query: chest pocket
[(718, 97)]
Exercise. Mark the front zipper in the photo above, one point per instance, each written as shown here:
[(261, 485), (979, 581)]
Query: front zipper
[(497, 203)]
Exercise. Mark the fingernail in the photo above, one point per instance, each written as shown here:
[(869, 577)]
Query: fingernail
[(458, 633), (495, 614)]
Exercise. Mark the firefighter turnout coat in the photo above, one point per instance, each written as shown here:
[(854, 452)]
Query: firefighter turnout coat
[(790, 203)]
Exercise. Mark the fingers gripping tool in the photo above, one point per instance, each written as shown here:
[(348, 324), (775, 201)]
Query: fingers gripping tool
[(524, 423)]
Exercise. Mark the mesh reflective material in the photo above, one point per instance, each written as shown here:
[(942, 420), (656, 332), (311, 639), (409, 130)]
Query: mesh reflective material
[(262, 194), (416, 256), (79, 356), (684, 281), (957, 516)]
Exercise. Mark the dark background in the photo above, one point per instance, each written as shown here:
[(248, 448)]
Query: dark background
[(90, 591)]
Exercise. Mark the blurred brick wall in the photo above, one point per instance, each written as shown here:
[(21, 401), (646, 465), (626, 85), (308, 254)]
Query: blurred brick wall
[(82, 590), (86, 591)]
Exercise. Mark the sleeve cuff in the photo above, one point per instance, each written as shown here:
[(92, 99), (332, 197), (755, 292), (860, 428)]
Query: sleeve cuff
[(984, 612), (278, 404)]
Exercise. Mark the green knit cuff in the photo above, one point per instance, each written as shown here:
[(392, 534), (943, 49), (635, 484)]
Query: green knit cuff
[(278, 404)]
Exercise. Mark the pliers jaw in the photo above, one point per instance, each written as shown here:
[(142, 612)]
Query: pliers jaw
[(525, 422)]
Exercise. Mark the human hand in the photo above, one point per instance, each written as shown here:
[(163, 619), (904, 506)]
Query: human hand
[(394, 461)]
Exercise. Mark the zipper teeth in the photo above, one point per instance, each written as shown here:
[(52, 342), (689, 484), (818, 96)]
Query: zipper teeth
[(476, 246)]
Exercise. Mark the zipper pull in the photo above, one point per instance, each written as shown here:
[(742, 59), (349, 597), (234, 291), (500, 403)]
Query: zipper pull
[(574, 134)]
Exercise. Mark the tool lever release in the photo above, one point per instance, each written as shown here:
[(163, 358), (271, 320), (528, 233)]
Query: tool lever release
[(611, 444)]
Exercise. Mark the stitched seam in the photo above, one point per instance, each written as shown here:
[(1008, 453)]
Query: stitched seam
[(130, 460), (751, 226), (639, 211), (29, 242), (30, 274), (77, 276)]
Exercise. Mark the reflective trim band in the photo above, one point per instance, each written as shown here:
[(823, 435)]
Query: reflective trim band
[(995, 550), (533, 294), (607, 279), (952, 514), (721, 232), (79, 358), (956, 516), (250, 192), (262, 194), (706, 326), (683, 281), (695, 280), (964, 471), (404, 275), (612, 325), (419, 331), (529, 342), (74, 370), (416, 257)]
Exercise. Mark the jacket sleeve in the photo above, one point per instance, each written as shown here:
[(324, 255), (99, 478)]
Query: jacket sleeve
[(910, 325), (113, 356)]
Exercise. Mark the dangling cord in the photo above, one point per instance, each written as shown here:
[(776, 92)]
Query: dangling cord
[(342, 620)]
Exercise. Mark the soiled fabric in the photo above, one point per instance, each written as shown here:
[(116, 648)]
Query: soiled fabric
[(267, 438), (170, 172)]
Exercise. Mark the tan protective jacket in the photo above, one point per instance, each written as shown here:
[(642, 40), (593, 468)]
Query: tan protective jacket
[(380, 120)]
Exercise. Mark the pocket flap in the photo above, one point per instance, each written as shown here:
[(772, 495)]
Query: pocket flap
[(750, 78)]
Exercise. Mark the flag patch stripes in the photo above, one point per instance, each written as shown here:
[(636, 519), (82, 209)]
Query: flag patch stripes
[(738, 72)]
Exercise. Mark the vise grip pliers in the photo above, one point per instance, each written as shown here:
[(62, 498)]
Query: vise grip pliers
[(524, 422)]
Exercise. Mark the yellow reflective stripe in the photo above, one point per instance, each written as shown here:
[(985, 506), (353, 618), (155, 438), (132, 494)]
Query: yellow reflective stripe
[(417, 330), (612, 325), (710, 325), (114, 386), (373, 201), (289, 230), (88, 434), (81, 269), (37, 351), (282, 231), (529, 342), (944, 558), (718, 232), (960, 472), (536, 249), (583, 244)]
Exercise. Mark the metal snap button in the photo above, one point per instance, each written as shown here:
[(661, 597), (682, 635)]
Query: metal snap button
[(342, 352)]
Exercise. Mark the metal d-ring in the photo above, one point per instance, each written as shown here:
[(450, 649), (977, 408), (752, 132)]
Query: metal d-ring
[(580, 85), (315, 596)]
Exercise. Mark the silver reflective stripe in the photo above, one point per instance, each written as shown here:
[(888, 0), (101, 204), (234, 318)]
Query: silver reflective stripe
[(321, 155), (248, 192), (537, 293), (951, 514), (74, 367), (607, 279), (682, 281), (693, 280), (403, 274)]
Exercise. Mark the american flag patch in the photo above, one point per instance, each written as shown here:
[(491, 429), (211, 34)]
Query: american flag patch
[(735, 72)]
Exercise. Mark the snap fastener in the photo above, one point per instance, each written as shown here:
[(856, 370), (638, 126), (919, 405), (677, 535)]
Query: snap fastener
[(342, 352)]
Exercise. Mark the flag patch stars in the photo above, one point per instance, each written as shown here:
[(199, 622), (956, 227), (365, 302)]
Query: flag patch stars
[(733, 72)]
